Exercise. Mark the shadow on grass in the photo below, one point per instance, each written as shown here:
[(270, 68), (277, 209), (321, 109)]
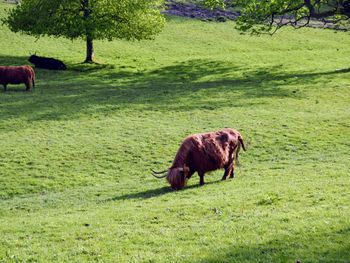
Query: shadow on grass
[(316, 247), (155, 192), (186, 86), (13, 61), (17, 90)]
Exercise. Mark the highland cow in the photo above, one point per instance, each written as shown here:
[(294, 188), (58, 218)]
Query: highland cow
[(17, 75), (203, 153), (47, 63)]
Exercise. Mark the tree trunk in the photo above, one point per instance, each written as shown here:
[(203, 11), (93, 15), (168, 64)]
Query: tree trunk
[(89, 39), (89, 50)]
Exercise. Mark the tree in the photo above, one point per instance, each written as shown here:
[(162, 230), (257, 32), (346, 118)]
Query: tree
[(88, 19), (267, 16)]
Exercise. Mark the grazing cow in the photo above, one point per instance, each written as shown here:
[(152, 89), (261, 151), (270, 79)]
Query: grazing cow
[(47, 63), (17, 75), (202, 153)]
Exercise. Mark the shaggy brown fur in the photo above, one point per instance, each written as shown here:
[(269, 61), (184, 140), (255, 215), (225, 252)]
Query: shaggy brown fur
[(205, 152), (17, 75)]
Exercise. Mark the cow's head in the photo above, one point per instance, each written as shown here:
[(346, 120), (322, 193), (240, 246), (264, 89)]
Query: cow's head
[(177, 177), (33, 58)]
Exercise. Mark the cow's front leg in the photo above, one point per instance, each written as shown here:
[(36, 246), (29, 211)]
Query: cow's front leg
[(232, 172), (201, 178), (190, 173)]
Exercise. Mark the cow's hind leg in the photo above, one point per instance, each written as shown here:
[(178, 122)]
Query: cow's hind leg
[(5, 87), (201, 178), (232, 174), (226, 173), (28, 86)]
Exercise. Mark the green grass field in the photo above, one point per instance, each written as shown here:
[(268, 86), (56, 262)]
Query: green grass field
[(76, 154)]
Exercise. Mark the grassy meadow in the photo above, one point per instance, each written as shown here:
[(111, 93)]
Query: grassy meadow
[(76, 154)]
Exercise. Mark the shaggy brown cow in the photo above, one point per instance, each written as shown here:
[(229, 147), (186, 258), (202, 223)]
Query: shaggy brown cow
[(202, 153), (17, 75)]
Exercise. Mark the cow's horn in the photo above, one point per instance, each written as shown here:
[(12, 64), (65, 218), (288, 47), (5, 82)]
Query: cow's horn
[(157, 176), (154, 172)]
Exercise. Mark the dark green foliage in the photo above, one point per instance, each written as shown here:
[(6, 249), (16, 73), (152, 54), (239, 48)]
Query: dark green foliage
[(87, 19), (107, 19), (268, 16)]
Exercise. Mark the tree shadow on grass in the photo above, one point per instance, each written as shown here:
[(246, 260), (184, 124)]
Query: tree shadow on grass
[(325, 246), (155, 192), (185, 86), (13, 61), (17, 90)]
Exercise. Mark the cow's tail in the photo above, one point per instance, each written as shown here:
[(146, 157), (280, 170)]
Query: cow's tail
[(240, 139), (33, 78), (239, 146)]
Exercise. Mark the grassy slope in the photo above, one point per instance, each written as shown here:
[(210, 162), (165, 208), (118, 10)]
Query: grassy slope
[(76, 153)]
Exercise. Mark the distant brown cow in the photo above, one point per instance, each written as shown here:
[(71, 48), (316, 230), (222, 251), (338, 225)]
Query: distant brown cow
[(17, 75), (202, 153)]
